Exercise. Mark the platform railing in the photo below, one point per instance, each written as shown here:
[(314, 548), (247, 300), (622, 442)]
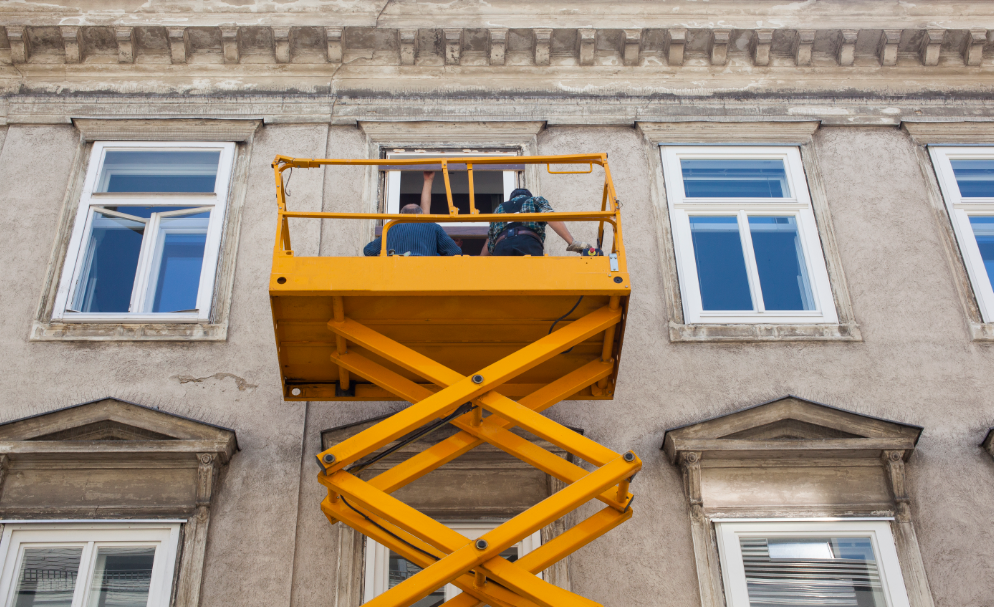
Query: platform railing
[(609, 213)]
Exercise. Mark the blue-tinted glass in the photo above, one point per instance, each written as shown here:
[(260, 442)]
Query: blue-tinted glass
[(159, 171), (108, 273), (47, 577), (983, 229), (975, 178), (721, 268), (734, 179), (783, 275), (181, 261)]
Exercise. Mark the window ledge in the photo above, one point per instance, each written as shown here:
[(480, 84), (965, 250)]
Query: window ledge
[(145, 331), (982, 331), (767, 332)]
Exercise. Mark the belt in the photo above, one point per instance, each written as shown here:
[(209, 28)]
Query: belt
[(507, 232)]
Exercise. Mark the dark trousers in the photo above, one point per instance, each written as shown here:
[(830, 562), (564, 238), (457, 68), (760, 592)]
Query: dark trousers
[(518, 246)]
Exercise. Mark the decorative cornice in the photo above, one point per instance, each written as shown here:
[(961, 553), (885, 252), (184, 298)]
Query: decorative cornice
[(428, 133), (167, 130), (780, 132), (668, 44), (925, 133)]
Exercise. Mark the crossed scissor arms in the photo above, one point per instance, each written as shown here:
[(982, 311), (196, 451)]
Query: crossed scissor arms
[(446, 556)]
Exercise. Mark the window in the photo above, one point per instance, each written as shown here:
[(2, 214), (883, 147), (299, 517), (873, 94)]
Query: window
[(147, 234), (966, 177), (843, 563), (745, 236), (492, 185), (88, 565), (385, 568)]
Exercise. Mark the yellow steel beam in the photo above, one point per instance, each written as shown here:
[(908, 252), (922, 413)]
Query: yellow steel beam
[(539, 425), (504, 536), (464, 390), (491, 430), (438, 535), (494, 594), (558, 547)]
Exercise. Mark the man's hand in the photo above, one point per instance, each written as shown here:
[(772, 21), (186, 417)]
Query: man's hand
[(578, 247), (429, 175)]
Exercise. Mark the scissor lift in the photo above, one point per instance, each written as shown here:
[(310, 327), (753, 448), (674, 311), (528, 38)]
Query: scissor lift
[(466, 340)]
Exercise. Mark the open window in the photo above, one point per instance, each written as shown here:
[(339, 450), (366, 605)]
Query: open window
[(492, 185), (147, 234), (385, 568)]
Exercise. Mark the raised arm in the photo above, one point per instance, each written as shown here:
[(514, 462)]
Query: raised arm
[(426, 192)]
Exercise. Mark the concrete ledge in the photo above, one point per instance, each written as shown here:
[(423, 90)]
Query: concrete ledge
[(761, 332)]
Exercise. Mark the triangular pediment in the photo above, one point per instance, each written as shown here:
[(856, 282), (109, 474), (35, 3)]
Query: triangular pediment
[(790, 424), (110, 419)]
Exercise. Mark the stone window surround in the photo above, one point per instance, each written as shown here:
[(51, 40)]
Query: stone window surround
[(797, 133), (111, 438), (382, 137), (162, 536), (924, 134), (44, 328), (878, 443)]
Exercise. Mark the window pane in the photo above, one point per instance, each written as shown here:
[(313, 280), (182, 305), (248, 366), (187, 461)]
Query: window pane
[(983, 229), (180, 260), (783, 275), (121, 577), (721, 268), (159, 171), (812, 572), (47, 577), (401, 569), (111, 259), (734, 179), (975, 178)]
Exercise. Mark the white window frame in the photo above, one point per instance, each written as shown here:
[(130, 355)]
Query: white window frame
[(393, 177), (377, 565), (798, 205), (163, 536), (878, 531), (960, 210), (143, 291)]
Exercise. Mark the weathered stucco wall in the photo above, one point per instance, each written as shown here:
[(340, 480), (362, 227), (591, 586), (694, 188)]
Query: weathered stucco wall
[(916, 364), (269, 543)]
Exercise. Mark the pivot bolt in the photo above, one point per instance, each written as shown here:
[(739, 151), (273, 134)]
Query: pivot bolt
[(328, 458), (618, 279), (478, 379), (481, 544), (629, 457)]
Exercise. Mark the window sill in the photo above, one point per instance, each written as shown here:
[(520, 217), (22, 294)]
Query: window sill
[(767, 332), (140, 331), (982, 331)]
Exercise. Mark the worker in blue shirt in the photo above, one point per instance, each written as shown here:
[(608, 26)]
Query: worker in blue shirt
[(416, 239)]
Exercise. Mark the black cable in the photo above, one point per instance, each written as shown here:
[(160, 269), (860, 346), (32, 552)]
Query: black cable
[(286, 184), (385, 530), (358, 466), (562, 317)]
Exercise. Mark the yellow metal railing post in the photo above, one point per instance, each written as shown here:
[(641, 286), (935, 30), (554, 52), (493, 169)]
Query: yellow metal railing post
[(472, 191), (448, 188)]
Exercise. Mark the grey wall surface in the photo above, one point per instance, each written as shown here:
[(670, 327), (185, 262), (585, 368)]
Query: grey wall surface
[(269, 543)]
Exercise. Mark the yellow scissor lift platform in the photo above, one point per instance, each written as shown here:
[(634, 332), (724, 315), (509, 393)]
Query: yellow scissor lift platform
[(470, 341)]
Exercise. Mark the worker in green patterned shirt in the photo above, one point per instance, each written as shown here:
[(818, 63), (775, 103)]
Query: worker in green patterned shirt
[(526, 237)]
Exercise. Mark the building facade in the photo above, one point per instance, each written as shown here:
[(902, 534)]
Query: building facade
[(808, 196)]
